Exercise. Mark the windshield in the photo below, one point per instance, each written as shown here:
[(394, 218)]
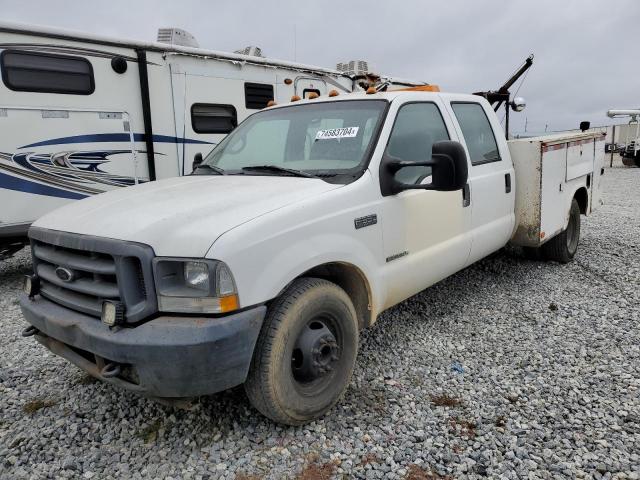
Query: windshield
[(325, 139)]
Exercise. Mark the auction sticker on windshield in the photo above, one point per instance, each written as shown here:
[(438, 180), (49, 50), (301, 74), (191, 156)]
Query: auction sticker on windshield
[(345, 132)]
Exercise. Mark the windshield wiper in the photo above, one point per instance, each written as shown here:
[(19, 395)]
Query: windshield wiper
[(276, 168), (213, 168)]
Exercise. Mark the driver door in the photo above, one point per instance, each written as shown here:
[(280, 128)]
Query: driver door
[(426, 233)]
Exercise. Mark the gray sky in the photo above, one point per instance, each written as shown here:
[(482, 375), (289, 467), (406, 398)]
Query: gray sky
[(585, 50)]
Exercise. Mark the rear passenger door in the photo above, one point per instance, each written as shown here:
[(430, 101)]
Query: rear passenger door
[(491, 184)]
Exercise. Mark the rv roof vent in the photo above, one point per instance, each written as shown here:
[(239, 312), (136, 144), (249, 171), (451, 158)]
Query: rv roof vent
[(250, 50), (177, 36), (353, 67)]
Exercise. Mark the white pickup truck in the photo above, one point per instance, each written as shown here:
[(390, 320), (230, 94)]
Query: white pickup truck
[(290, 237)]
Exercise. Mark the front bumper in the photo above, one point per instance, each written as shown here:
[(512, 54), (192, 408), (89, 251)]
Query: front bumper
[(168, 357)]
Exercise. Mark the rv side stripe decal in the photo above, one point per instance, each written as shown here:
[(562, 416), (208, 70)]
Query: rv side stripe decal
[(112, 137), (22, 185)]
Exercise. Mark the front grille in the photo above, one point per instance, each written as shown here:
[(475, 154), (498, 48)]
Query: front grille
[(80, 272), (94, 277)]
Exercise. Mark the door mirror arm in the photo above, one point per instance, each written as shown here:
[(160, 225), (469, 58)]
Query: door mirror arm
[(393, 165)]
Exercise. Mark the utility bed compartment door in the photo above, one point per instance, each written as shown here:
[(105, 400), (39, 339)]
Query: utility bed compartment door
[(598, 172), (580, 154), (552, 199)]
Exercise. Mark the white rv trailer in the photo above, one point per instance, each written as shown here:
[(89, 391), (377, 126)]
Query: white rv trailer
[(82, 114)]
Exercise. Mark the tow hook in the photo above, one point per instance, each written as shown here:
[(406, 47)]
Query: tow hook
[(110, 370), (30, 331)]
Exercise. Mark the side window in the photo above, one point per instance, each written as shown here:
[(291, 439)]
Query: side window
[(257, 95), (211, 118), (417, 127), (477, 133), (45, 72)]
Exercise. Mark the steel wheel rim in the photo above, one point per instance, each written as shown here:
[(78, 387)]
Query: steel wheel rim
[(316, 354)]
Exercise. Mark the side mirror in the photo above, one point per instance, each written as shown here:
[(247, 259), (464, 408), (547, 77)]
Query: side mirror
[(449, 171), (584, 126), (518, 104), (197, 160)]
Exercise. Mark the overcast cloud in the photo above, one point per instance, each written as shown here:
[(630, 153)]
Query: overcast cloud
[(586, 52)]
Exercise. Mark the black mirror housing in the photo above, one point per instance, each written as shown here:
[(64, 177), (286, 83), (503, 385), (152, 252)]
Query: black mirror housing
[(449, 170), (197, 160)]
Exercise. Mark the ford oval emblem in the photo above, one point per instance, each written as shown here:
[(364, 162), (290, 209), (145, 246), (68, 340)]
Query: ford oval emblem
[(65, 274)]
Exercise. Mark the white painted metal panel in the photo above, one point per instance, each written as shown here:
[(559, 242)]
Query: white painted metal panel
[(579, 158), (552, 204), (526, 157), (598, 172)]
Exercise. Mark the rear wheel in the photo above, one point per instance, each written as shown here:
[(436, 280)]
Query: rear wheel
[(563, 247), (305, 353)]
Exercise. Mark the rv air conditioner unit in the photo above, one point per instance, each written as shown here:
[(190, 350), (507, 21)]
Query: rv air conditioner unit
[(354, 68), (177, 36), (250, 50)]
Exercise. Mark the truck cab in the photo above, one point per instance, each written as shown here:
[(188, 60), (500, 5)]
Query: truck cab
[(292, 235)]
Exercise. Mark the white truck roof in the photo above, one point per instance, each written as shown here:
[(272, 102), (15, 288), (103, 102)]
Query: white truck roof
[(388, 95)]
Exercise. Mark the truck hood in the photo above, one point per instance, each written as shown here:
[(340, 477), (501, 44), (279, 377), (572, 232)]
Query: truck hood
[(183, 216)]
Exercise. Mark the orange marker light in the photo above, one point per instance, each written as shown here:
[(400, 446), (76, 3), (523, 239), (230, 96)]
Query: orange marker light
[(271, 103), (312, 95), (229, 303), (371, 90), (333, 93), (288, 81), (295, 98)]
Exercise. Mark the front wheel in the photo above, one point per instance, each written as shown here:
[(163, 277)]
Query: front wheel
[(305, 354), (563, 247)]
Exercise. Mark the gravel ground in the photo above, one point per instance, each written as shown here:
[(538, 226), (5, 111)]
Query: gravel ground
[(509, 369)]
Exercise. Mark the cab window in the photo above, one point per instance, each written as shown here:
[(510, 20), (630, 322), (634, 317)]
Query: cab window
[(477, 133), (417, 127)]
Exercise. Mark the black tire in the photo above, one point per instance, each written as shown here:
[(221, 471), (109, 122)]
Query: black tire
[(563, 247), (305, 353)]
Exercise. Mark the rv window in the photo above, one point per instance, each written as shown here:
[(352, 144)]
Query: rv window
[(44, 72), (211, 118), (307, 91), (257, 95)]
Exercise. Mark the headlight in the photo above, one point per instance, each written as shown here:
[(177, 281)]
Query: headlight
[(194, 286), (196, 275)]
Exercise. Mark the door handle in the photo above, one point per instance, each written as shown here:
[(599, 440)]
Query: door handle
[(466, 195), (507, 183)]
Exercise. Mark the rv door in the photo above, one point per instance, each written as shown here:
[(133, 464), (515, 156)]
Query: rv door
[(212, 107)]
